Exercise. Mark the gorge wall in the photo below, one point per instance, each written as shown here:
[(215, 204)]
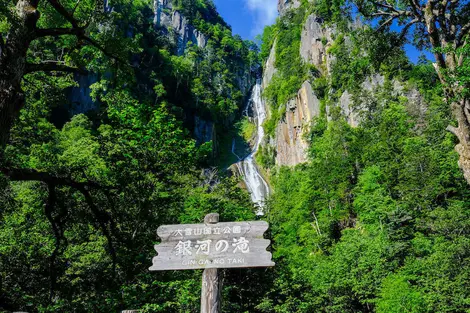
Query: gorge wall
[(176, 24), (317, 41)]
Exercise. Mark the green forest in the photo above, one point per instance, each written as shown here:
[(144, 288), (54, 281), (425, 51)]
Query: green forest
[(118, 117)]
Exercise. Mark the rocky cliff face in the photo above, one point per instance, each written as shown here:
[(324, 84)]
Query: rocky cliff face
[(290, 142), (269, 68), (178, 29), (285, 5), (170, 20), (316, 38)]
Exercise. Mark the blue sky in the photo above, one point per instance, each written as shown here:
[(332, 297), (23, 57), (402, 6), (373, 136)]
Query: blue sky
[(249, 17)]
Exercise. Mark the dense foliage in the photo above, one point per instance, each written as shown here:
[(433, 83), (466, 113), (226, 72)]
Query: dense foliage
[(376, 221), (83, 194)]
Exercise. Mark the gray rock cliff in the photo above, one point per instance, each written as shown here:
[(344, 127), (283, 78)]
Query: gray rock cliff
[(269, 68), (173, 21), (285, 5), (290, 142)]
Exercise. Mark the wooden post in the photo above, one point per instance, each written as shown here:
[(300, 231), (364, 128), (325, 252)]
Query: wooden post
[(210, 293)]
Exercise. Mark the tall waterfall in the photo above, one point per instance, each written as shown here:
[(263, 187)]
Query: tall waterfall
[(256, 184)]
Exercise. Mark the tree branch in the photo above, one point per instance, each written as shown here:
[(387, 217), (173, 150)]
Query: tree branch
[(60, 32), (405, 29), (63, 11), (52, 67), (464, 31), (383, 5), (417, 9), (95, 44), (453, 130), (52, 181), (103, 220), (386, 23), (76, 7)]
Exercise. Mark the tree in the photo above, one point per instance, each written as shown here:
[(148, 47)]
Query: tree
[(27, 21), (443, 26)]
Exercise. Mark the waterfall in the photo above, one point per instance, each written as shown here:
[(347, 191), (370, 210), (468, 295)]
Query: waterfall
[(256, 184)]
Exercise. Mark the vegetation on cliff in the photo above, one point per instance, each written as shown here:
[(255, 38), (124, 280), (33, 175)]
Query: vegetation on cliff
[(377, 220)]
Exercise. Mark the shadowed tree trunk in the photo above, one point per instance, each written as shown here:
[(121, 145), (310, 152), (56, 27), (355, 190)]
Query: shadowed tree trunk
[(13, 65)]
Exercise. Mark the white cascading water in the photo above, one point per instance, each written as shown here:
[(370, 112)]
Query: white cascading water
[(256, 184)]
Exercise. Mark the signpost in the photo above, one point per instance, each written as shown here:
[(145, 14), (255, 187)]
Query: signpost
[(210, 246)]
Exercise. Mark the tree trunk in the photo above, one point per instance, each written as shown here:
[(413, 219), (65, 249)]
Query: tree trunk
[(461, 112), (446, 66), (12, 66)]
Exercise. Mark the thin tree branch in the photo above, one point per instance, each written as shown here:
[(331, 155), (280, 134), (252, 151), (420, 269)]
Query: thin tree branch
[(76, 7), (49, 208), (63, 11), (52, 67), (103, 220), (405, 29), (102, 217), (60, 32), (386, 23), (453, 130), (96, 44), (417, 9), (464, 31), (383, 5)]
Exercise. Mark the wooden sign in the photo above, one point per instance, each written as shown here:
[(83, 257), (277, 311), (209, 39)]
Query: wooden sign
[(219, 245)]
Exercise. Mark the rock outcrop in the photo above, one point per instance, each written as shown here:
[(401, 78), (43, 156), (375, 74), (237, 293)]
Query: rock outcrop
[(79, 97), (169, 20), (285, 5), (352, 111), (269, 68), (290, 142), (315, 40)]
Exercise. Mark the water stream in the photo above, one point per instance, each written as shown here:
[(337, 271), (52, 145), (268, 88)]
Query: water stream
[(256, 184)]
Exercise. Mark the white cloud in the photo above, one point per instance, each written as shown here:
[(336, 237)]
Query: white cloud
[(264, 13)]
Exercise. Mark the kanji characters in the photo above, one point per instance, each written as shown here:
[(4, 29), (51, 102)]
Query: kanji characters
[(178, 233), (183, 248), (203, 247), (241, 245)]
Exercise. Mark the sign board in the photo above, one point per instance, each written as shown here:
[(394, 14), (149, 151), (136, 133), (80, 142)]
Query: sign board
[(204, 246)]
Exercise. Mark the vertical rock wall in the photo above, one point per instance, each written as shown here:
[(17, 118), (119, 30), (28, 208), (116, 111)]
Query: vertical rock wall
[(170, 20), (290, 137), (291, 144), (285, 5)]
